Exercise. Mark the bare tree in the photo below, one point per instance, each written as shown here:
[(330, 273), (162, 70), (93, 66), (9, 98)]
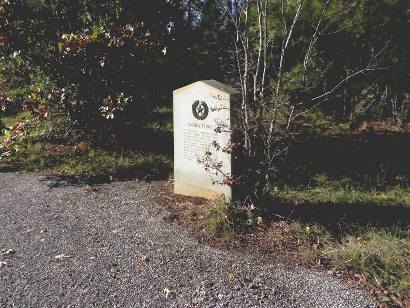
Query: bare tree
[(261, 123), (267, 113)]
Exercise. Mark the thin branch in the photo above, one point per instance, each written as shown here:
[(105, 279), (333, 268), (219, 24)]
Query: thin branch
[(285, 46), (314, 40), (344, 80)]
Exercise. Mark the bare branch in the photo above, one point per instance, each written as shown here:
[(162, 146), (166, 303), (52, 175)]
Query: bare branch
[(314, 39), (285, 45), (346, 79)]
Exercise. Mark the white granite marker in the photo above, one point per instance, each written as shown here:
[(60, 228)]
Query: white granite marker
[(200, 109)]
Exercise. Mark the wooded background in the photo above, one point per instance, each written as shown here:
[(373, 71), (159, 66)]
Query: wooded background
[(101, 70), (122, 58)]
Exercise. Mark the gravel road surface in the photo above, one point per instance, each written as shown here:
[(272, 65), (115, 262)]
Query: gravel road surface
[(62, 245)]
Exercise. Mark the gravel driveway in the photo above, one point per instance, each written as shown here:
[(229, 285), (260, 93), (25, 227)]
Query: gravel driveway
[(62, 245)]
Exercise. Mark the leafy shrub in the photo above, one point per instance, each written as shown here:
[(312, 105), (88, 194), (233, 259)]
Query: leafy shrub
[(58, 129), (87, 61), (27, 130)]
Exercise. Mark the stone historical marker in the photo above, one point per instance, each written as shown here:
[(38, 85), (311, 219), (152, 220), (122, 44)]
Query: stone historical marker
[(202, 139)]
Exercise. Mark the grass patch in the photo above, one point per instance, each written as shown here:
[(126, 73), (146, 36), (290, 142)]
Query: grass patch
[(382, 256), (344, 192), (396, 196), (352, 229), (218, 220), (93, 165), (100, 165), (56, 145), (304, 240)]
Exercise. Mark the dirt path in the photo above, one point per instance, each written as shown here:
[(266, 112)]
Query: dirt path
[(63, 245)]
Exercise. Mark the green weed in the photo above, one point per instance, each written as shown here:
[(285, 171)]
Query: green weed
[(218, 220), (344, 191), (96, 165), (382, 256)]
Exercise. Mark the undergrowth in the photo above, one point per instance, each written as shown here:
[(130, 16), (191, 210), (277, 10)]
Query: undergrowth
[(343, 191), (93, 165), (56, 146), (380, 252), (383, 256)]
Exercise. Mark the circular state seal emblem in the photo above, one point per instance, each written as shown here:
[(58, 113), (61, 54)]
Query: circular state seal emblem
[(200, 110)]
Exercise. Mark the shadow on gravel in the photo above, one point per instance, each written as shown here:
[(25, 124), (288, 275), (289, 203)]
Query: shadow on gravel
[(58, 182), (49, 181), (4, 168)]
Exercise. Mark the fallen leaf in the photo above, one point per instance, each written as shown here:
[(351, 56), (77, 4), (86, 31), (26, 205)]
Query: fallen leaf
[(6, 252), (143, 258), (169, 294), (90, 189), (231, 276), (62, 256)]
